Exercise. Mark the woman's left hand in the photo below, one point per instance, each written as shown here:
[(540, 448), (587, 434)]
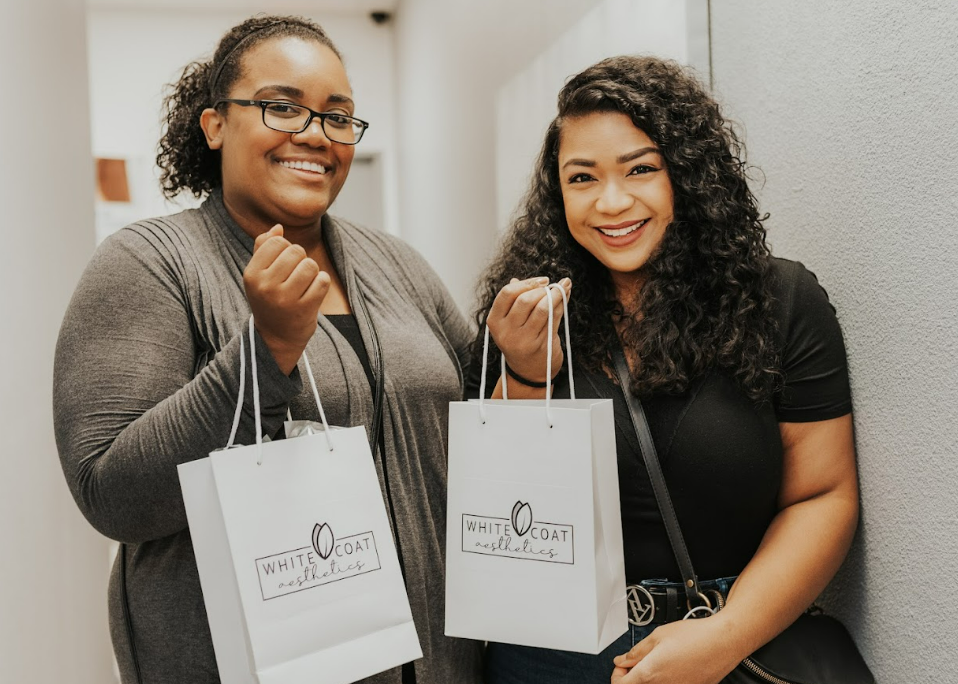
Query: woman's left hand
[(687, 652)]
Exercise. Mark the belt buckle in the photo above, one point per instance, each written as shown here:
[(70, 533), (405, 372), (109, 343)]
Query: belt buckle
[(641, 605)]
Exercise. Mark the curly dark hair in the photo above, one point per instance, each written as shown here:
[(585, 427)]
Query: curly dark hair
[(707, 300), (185, 160)]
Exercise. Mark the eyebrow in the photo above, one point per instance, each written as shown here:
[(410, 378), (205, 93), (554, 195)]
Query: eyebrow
[(641, 152), (621, 159), (341, 99), (282, 90), (290, 91)]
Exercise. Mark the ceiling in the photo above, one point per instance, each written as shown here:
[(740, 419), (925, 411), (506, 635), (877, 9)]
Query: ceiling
[(310, 6)]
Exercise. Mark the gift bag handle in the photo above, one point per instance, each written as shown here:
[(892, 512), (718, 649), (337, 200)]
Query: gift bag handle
[(256, 402), (502, 371)]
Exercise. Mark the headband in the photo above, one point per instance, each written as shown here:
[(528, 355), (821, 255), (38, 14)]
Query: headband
[(245, 39)]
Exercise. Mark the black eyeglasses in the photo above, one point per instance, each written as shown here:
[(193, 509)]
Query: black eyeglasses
[(292, 118)]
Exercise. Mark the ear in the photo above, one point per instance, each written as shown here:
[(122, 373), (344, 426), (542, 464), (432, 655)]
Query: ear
[(213, 122)]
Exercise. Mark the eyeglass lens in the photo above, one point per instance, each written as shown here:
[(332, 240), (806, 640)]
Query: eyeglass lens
[(292, 119)]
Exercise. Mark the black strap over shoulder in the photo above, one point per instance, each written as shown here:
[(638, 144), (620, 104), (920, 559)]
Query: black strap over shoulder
[(661, 490)]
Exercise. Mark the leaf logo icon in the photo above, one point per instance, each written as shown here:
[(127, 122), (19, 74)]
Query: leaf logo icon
[(521, 518), (323, 540)]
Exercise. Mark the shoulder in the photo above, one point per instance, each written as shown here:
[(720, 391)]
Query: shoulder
[(797, 292), (388, 254), (162, 249), (378, 245), (790, 277), (813, 361), (135, 271), (160, 236)]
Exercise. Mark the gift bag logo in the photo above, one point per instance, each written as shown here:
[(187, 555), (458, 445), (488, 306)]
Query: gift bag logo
[(521, 518), (323, 540), (328, 559), (519, 537)]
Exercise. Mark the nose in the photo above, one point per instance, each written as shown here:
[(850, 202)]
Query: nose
[(314, 135), (613, 199)]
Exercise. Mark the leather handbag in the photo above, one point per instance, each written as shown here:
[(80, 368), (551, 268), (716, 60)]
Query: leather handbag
[(815, 649)]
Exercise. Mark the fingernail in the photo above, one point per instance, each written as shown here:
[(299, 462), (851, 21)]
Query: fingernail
[(565, 282), (541, 281)]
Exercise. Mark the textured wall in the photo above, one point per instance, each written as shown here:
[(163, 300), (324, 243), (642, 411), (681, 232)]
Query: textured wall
[(851, 111)]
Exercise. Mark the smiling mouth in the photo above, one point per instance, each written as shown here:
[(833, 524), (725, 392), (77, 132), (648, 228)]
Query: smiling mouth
[(311, 167), (621, 232)]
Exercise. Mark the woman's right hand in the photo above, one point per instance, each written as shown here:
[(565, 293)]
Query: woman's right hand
[(519, 324), (285, 289)]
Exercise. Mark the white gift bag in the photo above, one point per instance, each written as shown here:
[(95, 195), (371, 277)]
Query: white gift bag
[(534, 531), (296, 558)]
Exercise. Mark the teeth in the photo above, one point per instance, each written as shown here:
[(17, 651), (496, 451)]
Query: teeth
[(303, 166), (623, 231)]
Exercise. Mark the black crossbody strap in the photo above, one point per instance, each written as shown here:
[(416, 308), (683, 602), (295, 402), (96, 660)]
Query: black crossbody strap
[(661, 490)]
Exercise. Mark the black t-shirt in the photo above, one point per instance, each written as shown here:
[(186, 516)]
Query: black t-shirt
[(720, 452)]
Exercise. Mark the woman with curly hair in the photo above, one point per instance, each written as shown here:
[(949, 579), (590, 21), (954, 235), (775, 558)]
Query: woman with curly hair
[(639, 205), (147, 365)]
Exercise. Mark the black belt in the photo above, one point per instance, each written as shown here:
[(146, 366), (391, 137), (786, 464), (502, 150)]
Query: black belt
[(661, 604)]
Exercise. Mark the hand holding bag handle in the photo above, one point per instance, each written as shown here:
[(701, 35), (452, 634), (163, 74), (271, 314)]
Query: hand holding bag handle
[(813, 650), (502, 358)]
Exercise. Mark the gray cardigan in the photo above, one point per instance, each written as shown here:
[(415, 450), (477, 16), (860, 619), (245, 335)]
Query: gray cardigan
[(146, 378)]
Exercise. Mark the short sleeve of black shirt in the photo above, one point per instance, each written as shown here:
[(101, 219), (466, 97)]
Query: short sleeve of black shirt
[(813, 352)]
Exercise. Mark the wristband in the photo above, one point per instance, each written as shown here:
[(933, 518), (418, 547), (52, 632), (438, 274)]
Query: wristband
[(528, 383)]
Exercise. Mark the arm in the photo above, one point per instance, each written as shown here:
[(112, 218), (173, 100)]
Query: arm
[(808, 539), (128, 408), (801, 551)]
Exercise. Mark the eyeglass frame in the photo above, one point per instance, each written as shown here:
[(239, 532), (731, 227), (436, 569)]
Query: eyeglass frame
[(313, 114)]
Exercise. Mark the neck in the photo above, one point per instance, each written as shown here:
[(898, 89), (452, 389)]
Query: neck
[(627, 286), (307, 235)]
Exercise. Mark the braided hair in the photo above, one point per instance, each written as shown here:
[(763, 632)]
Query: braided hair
[(186, 162), (707, 299)]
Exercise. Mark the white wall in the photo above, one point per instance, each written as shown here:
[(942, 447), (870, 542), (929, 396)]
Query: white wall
[(452, 57), (527, 102), (134, 53), (53, 566), (850, 110)]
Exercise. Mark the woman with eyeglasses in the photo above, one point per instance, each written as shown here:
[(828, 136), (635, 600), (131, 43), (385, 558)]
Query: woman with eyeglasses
[(147, 365), (640, 198)]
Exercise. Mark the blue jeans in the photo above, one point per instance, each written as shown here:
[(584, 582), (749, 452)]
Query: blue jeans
[(510, 664)]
